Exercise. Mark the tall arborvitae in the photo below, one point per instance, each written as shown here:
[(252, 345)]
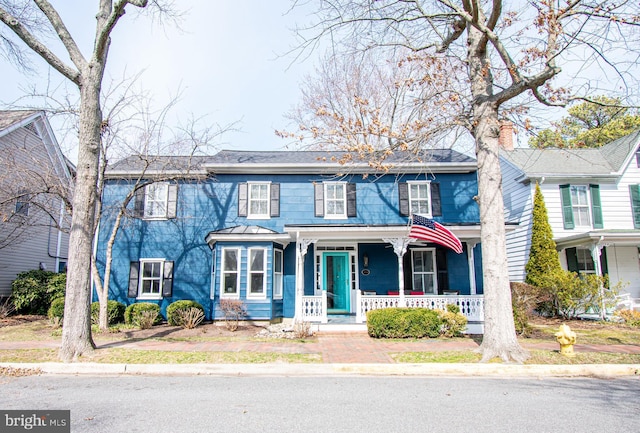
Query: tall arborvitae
[(543, 256)]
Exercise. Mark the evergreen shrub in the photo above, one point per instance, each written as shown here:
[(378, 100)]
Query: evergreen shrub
[(404, 323), (115, 312), (134, 314), (32, 293), (174, 317)]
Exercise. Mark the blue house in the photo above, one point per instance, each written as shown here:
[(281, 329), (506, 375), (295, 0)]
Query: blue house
[(294, 235)]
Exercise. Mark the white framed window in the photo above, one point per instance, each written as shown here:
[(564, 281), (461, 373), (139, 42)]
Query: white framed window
[(151, 279), (278, 272), (257, 281), (258, 196), (230, 273), (155, 200), (420, 198), (423, 262), (585, 261), (580, 205), (335, 199)]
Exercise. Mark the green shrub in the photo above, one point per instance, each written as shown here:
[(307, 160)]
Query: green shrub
[(403, 323), (133, 314), (115, 312), (453, 323), (453, 308), (29, 292), (173, 315), (56, 311), (57, 285)]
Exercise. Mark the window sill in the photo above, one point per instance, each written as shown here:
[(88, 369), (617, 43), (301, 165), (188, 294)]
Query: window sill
[(149, 298)]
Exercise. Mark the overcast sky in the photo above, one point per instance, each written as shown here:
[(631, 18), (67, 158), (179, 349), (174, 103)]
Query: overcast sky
[(228, 60)]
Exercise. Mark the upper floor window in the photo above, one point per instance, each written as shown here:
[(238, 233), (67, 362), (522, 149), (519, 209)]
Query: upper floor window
[(156, 201), (257, 273), (278, 272), (150, 279), (634, 193), (259, 200), (419, 197), (335, 199), (581, 206), (22, 206)]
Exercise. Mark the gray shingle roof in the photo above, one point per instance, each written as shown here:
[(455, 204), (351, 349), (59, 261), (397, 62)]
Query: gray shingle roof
[(264, 161), (8, 118), (607, 160)]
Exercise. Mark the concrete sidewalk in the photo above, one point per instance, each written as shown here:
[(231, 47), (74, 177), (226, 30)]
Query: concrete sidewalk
[(344, 353)]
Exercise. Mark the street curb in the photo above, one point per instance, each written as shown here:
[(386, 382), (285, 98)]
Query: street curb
[(330, 370)]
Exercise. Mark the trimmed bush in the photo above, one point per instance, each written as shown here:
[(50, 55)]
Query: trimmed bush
[(403, 323), (134, 314), (174, 317), (56, 311), (115, 312), (453, 323), (29, 292)]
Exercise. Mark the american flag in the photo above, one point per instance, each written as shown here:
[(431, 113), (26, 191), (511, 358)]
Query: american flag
[(426, 229)]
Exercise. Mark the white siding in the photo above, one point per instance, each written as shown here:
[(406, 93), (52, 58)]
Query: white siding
[(518, 201), (38, 240)]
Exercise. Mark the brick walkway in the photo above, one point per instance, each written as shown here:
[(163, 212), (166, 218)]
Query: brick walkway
[(344, 347)]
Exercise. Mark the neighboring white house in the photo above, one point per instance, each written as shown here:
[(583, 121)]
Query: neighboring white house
[(592, 198), (34, 176)]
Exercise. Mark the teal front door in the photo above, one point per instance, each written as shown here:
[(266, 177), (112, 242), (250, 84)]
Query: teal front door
[(336, 281)]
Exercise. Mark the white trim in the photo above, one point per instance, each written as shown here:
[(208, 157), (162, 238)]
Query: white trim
[(263, 293), (223, 272), (150, 296), (587, 205), (267, 214), (275, 283), (434, 271), (335, 216), (427, 184)]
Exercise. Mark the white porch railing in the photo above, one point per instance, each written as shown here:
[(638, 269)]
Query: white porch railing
[(471, 306), (314, 308)]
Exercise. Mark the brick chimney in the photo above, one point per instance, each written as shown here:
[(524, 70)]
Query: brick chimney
[(506, 135)]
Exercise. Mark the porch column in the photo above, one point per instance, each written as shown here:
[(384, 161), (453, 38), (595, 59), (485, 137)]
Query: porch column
[(400, 247), (301, 251), (596, 252), (472, 267)]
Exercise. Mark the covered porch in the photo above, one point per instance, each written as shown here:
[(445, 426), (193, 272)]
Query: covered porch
[(382, 268)]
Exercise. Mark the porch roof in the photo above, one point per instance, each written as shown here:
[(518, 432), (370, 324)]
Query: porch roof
[(247, 233), (371, 232), (602, 237)]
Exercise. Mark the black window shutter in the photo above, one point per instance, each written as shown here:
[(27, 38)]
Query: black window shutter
[(443, 274), (138, 204), (603, 261), (319, 199), (572, 259), (172, 200), (634, 191), (351, 200), (596, 207), (242, 199), (275, 200), (408, 270), (567, 210), (134, 271), (436, 206), (403, 194), (167, 281)]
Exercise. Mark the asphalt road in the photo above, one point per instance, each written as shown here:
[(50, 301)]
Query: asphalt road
[(330, 404)]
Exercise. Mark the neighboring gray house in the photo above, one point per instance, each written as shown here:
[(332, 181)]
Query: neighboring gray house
[(34, 178), (592, 198)]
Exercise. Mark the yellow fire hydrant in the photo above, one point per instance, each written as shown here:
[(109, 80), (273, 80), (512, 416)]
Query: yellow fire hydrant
[(567, 338)]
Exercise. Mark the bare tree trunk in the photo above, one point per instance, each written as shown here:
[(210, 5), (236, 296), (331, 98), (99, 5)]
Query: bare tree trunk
[(76, 329), (499, 338)]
